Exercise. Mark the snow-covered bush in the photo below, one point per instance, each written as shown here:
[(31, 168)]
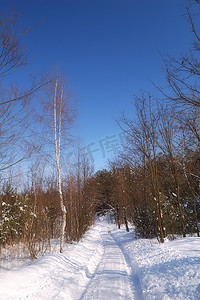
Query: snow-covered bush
[(16, 214)]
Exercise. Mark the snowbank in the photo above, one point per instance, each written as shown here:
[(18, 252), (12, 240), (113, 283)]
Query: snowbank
[(56, 276), (166, 271)]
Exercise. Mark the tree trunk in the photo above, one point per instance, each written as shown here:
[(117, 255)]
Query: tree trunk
[(174, 171), (126, 222), (57, 137), (63, 209)]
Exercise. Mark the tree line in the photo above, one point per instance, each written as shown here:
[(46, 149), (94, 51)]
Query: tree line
[(154, 183), (34, 216)]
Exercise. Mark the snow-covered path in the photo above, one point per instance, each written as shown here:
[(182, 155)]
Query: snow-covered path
[(112, 276), (109, 263), (95, 268)]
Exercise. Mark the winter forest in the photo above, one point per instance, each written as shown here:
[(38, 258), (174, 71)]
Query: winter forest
[(153, 183)]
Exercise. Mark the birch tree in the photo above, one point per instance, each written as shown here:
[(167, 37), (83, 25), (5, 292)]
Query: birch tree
[(57, 119), (57, 115)]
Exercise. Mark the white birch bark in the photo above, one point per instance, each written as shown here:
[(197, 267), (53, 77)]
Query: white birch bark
[(57, 136)]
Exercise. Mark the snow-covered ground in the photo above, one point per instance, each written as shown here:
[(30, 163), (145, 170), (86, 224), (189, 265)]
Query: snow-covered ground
[(110, 264)]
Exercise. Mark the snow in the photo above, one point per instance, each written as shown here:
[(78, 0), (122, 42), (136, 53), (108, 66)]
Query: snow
[(109, 263)]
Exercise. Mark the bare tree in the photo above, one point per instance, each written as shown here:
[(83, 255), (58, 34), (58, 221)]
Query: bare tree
[(183, 73), (142, 145), (57, 119), (121, 195), (169, 144), (13, 101)]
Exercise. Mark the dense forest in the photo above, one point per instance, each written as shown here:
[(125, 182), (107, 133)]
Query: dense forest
[(154, 183)]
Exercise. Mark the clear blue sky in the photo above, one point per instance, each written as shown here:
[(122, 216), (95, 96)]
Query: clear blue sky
[(108, 51)]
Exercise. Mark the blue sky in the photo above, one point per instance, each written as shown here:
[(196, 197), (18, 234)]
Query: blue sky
[(107, 50)]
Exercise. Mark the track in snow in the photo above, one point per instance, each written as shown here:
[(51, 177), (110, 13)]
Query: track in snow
[(98, 267), (113, 278)]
